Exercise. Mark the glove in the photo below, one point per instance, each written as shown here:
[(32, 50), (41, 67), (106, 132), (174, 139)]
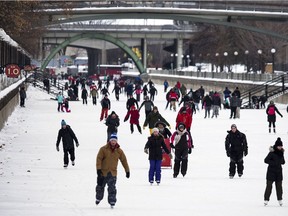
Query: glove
[(245, 153), (169, 126), (77, 144), (189, 150), (146, 150), (171, 145), (57, 148), (228, 153), (144, 127), (170, 156), (127, 174), (99, 173)]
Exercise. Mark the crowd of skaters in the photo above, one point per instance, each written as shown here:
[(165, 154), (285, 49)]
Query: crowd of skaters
[(180, 141)]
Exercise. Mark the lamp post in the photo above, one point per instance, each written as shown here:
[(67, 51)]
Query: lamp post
[(188, 60), (225, 54), (273, 51), (235, 54), (216, 65), (246, 54), (172, 60), (260, 53), (183, 61)]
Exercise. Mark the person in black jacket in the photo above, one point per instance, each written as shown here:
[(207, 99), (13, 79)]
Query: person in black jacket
[(112, 123), (274, 159), (68, 137), (154, 147), (271, 115), (236, 146)]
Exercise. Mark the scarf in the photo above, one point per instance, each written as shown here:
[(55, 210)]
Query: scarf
[(178, 136)]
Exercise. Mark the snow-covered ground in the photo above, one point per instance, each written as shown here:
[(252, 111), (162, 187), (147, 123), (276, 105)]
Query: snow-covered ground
[(33, 181)]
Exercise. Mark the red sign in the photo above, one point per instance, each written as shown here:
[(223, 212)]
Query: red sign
[(12, 70)]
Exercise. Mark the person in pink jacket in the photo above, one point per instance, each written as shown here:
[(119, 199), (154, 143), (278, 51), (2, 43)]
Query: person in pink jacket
[(134, 115)]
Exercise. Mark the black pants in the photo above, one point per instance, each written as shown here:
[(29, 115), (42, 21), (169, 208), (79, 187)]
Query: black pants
[(132, 128), (273, 124), (112, 191), (84, 100), (66, 156), (94, 101), (233, 112), (22, 102), (268, 190), (240, 167), (181, 161)]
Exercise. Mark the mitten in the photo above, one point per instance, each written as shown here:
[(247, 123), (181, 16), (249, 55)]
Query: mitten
[(170, 156), (169, 126), (146, 150), (246, 153), (127, 174), (228, 153), (171, 145), (77, 144), (99, 172), (189, 150), (57, 148)]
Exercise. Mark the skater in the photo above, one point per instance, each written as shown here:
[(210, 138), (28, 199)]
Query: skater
[(65, 106), (271, 115), (216, 104), (59, 99), (236, 146), (112, 123), (163, 130), (84, 95), (166, 85), (274, 159), (182, 142), (134, 115), (148, 104), (106, 165), (22, 96), (94, 94), (152, 91), (207, 103), (117, 90), (154, 147), (152, 118), (184, 117), (68, 137), (131, 102), (105, 103)]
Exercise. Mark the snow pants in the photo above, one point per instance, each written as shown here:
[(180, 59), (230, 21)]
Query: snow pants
[(66, 155), (112, 191), (240, 167), (138, 127), (181, 161), (268, 190), (155, 170), (104, 113)]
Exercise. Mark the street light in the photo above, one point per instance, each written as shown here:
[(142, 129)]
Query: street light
[(236, 54), (273, 51), (226, 54), (246, 53), (172, 60), (216, 65), (183, 61), (188, 60), (260, 53)]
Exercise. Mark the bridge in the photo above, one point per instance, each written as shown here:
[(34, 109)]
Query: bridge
[(61, 28)]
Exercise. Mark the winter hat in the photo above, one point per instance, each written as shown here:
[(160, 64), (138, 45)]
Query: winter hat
[(63, 122), (155, 130), (113, 137), (278, 142), (271, 102), (155, 108), (181, 125), (233, 125)]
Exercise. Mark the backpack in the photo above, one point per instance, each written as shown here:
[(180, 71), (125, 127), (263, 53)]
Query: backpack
[(271, 110)]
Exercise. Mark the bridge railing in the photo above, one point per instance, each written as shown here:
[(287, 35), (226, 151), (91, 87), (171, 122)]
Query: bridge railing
[(221, 75)]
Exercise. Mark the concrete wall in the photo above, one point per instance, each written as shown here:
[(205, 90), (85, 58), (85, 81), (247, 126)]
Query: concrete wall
[(8, 104), (208, 84)]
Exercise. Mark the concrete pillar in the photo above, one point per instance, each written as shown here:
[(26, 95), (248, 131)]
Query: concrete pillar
[(104, 54), (144, 52), (93, 61), (179, 52)]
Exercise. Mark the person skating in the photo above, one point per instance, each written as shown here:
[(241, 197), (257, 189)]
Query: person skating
[(106, 165), (275, 160), (271, 115), (236, 146), (84, 95), (181, 141), (134, 115), (22, 94), (68, 137), (106, 105), (148, 105), (112, 123), (154, 147)]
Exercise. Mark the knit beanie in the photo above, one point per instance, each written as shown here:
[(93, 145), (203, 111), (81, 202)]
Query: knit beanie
[(278, 142), (63, 122), (155, 130), (113, 137)]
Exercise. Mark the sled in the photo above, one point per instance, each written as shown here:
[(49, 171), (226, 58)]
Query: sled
[(166, 161)]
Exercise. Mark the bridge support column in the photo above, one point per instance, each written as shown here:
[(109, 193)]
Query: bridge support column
[(179, 52), (93, 61), (144, 52), (104, 54)]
